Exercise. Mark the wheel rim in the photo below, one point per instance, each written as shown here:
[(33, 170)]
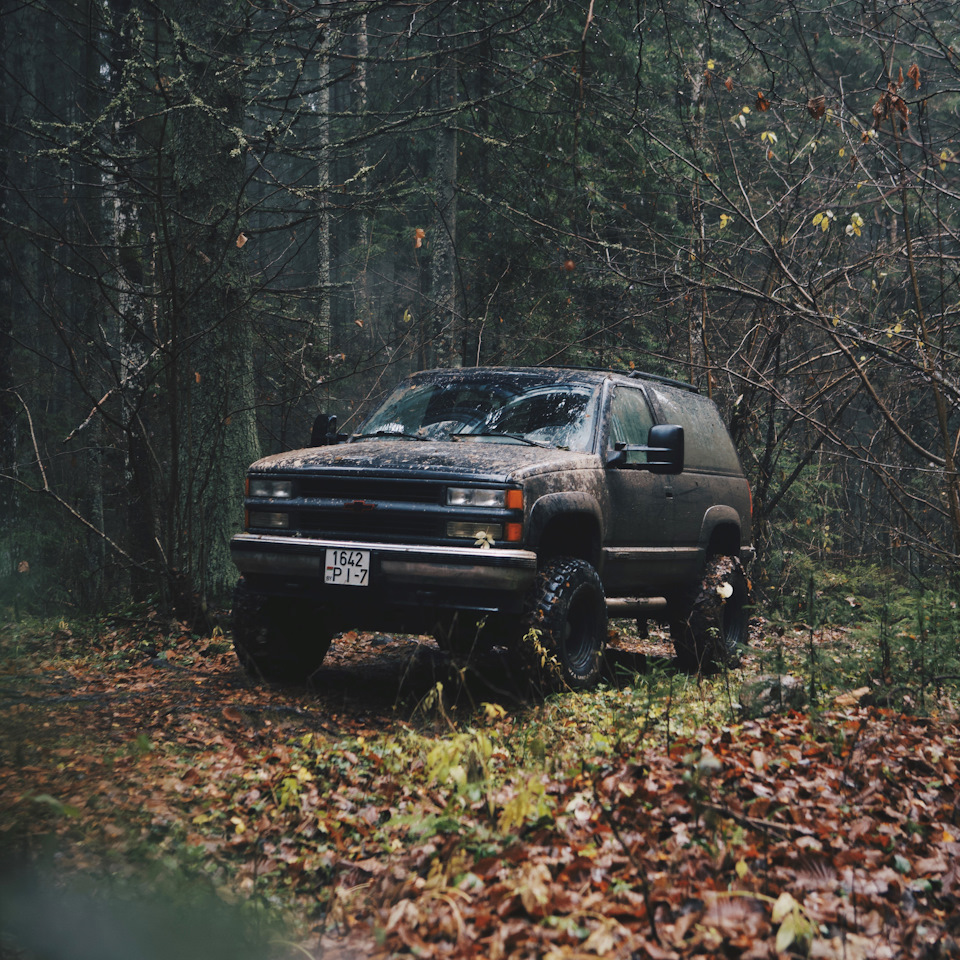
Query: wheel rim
[(579, 640), (734, 622)]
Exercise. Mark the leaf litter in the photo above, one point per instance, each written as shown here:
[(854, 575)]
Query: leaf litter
[(382, 814)]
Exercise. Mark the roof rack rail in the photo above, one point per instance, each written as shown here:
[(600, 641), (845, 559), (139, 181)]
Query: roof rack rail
[(669, 381), (631, 374)]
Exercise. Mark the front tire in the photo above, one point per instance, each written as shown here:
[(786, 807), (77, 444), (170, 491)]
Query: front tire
[(278, 638), (567, 624), (713, 623)]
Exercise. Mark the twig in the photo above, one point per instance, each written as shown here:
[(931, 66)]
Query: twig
[(45, 489), (755, 823)]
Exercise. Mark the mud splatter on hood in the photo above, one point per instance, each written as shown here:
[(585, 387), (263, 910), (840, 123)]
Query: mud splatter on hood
[(475, 459)]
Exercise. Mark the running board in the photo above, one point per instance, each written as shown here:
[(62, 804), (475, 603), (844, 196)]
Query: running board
[(630, 606)]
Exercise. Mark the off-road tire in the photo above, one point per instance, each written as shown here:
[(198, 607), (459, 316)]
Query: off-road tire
[(708, 629), (278, 638), (566, 625)]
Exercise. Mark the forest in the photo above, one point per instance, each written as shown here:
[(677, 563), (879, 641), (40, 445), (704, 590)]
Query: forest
[(220, 218)]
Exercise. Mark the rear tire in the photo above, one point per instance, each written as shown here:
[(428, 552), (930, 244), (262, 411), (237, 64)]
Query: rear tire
[(568, 619), (278, 638), (710, 628)]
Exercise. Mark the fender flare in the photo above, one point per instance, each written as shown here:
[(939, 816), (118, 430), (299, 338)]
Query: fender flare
[(553, 505), (718, 516)]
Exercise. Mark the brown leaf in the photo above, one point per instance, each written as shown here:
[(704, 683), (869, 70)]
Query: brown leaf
[(914, 74), (728, 83), (817, 107)]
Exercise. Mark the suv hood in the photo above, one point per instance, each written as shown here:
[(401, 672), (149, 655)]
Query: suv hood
[(473, 459)]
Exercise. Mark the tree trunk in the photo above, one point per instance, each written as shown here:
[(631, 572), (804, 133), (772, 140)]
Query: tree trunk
[(445, 268), (214, 350)]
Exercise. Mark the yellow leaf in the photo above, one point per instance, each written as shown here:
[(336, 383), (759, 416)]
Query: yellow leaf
[(784, 906)]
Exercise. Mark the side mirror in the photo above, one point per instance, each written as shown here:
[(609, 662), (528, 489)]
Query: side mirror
[(324, 431), (664, 451), (665, 448)]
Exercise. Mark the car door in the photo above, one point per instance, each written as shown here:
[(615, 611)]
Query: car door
[(710, 469), (638, 550)]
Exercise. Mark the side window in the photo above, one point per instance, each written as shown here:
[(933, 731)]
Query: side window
[(630, 422), (707, 444)]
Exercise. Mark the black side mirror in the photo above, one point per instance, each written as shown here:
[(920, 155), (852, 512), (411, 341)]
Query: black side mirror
[(665, 448), (664, 451), (324, 431)]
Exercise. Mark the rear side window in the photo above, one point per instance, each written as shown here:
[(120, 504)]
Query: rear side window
[(707, 445)]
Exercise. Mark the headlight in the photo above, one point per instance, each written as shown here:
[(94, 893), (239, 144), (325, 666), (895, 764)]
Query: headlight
[(280, 489), (483, 497), (260, 518), (475, 497), (475, 531)]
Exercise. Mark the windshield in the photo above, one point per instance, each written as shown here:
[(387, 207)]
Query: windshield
[(530, 410)]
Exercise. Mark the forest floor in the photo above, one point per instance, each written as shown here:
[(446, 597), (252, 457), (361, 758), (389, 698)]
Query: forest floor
[(154, 801)]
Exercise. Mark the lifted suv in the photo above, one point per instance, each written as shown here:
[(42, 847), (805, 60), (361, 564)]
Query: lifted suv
[(519, 507)]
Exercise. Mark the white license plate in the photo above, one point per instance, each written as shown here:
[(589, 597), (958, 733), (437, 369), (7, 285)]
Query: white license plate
[(349, 568)]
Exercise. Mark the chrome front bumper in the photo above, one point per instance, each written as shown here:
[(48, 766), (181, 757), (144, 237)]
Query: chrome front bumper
[(495, 568)]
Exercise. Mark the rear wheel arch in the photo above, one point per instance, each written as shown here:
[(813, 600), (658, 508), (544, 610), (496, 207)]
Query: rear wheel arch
[(720, 533)]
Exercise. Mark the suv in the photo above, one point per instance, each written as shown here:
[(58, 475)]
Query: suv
[(511, 506)]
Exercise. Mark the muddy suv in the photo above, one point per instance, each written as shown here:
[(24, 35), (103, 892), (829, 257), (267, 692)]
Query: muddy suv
[(490, 506)]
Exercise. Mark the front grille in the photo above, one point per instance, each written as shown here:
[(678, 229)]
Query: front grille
[(375, 524), (371, 488)]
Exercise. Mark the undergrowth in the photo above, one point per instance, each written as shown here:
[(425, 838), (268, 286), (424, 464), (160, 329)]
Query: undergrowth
[(156, 757)]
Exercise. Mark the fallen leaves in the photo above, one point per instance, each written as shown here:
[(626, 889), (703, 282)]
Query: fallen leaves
[(587, 835)]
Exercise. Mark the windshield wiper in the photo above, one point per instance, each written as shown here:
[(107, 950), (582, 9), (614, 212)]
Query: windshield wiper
[(511, 436), (389, 433)]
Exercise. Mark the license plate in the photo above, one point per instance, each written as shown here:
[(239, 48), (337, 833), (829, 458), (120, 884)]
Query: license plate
[(350, 568)]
